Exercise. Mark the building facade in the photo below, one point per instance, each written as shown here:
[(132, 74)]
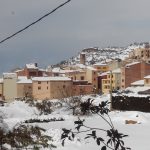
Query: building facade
[(51, 87), (133, 72), (9, 86)]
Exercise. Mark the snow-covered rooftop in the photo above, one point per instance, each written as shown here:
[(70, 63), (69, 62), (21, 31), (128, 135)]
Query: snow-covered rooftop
[(51, 79), (1, 80), (104, 73), (61, 71), (23, 79), (18, 70), (91, 68), (147, 77), (32, 66), (133, 63), (138, 83), (81, 66), (100, 64), (137, 89), (9, 75)]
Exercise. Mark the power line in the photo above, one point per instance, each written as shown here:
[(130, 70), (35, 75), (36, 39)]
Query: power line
[(61, 5)]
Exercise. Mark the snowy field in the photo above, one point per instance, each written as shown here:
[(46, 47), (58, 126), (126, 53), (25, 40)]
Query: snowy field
[(17, 111)]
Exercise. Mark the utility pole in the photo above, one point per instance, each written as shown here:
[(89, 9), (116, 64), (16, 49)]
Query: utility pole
[(110, 91)]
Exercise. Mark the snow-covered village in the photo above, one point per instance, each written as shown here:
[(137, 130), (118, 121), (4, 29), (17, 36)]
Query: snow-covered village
[(74, 75), (97, 91)]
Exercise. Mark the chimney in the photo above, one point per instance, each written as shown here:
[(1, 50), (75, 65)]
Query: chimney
[(82, 58), (36, 65)]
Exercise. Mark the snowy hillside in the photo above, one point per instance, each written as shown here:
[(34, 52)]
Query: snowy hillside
[(102, 55), (17, 112)]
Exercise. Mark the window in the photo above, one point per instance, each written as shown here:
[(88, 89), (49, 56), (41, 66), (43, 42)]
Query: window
[(39, 82), (146, 80), (122, 80), (64, 86), (47, 82), (39, 88), (82, 77), (47, 87)]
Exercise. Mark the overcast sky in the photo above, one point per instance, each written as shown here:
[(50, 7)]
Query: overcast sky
[(79, 24)]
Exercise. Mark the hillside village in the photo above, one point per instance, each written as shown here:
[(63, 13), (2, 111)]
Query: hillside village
[(116, 69), (50, 99)]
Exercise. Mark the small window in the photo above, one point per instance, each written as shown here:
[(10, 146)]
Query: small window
[(82, 77), (39, 82), (64, 86), (39, 88), (47, 87), (47, 82), (146, 80)]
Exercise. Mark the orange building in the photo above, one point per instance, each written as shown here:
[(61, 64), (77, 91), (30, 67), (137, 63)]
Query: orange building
[(133, 72), (51, 87), (32, 70)]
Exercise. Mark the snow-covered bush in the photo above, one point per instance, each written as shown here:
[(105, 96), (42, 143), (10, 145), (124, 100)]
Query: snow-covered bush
[(105, 138)]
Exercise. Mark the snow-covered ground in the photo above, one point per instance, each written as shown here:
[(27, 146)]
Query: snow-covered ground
[(17, 111)]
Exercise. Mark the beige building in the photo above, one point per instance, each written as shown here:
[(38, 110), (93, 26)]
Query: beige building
[(147, 80), (24, 87), (112, 81), (51, 87), (1, 88), (9, 86), (114, 64), (76, 74), (141, 54), (92, 77)]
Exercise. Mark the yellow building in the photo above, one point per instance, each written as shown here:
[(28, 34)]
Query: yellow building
[(51, 87), (112, 82), (101, 67)]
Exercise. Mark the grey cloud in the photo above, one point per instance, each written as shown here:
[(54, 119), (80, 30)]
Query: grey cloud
[(80, 24)]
